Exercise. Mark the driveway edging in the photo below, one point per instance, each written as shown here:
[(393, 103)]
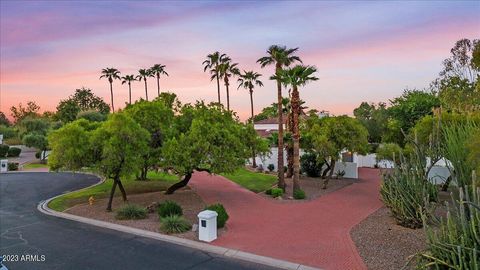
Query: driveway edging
[(230, 253)]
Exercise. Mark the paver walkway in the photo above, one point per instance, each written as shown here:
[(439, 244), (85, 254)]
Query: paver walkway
[(314, 233)]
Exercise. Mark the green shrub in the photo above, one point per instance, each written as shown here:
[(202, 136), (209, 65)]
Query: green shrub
[(389, 151), (271, 167), (12, 166), (174, 224), (14, 152), (277, 192), (38, 154), (309, 164), (268, 191), (299, 194), (131, 211), (169, 208), (3, 150), (222, 214), (455, 244)]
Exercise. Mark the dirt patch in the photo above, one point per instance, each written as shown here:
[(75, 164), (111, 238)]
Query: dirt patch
[(312, 187), (191, 203)]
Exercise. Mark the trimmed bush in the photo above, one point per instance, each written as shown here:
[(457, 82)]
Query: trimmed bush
[(4, 150), (299, 194), (174, 224), (169, 208), (310, 165), (131, 211), (12, 166), (222, 214), (14, 152), (271, 167), (277, 192)]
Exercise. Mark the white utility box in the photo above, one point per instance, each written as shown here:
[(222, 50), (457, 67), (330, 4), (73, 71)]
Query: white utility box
[(1, 138), (207, 225), (4, 165)]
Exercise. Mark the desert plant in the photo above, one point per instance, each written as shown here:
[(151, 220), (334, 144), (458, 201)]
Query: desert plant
[(169, 208), (131, 211), (222, 214), (277, 192), (340, 174), (174, 224), (455, 244), (3, 150), (12, 166), (14, 152), (271, 167), (299, 194), (310, 165)]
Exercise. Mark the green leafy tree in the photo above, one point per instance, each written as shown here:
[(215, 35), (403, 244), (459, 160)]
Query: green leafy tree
[(156, 71), (143, 74), (92, 115), (33, 132), (374, 118), (212, 64), (271, 111), (281, 57), (67, 110), (20, 112), (208, 138), (4, 120), (227, 69), (111, 74), (295, 77), (128, 79), (82, 100), (170, 100)]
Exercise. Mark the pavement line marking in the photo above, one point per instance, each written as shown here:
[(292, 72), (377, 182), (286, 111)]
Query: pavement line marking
[(230, 253)]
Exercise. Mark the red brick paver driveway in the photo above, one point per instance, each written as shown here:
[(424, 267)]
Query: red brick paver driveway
[(314, 233)]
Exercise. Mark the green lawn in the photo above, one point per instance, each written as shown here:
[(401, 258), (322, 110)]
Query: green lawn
[(253, 181), (34, 166), (156, 182)]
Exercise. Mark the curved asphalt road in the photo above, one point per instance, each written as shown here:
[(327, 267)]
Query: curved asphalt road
[(67, 244)]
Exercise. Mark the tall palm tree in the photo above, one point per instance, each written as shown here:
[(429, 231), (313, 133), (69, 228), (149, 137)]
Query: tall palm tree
[(111, 74), (129, 79), (281, 57), (144, 74), (295, 77), (211, 63), (226, 70), (248, 80), (156, 71)]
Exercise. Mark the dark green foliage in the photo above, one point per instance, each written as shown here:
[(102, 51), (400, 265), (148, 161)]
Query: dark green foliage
[(174, 224), (268, 191), (374, 118), (14, 152), (222, 214), (38, 154), (299, 194), (82, 100), (12, 166), (131, 211), (277, 192), (309, 164), (270, 167), (169, 208), (92, 115), (4, 150)]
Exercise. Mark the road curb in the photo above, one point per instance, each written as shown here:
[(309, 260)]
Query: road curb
[(230, 253)]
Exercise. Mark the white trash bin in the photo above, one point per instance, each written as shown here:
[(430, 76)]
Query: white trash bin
[(4, 165), (207, 225)]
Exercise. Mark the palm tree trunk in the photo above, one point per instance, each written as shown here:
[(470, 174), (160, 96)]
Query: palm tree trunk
[(158, 85), (289, 145), (254, 161), (228, 94), (218, 89), (295, 107), (280, 169), (129, 93), (146, 91), (111, 97)]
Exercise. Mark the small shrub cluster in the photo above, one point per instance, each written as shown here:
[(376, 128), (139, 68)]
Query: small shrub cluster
[(268, 191), (276, 192), (310, 165), (14, 152), (222, 214), (131, 211), (12, 166), (174, 224), (271, 167), (169, 208), (299, 194), (4, 150)]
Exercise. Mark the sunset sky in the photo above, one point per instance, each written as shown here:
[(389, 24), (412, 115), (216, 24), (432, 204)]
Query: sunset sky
[(364, 51)]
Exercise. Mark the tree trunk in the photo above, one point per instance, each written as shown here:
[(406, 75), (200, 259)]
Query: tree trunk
[(180, 184), (324, 173), (110, 199), (146, 91), (280, 169), (111, 97), (254, 161), (289, 145), (228, 94), (447, 183), (218, 86), (129, 93), (295, 109), (332, 166), (158, 85), (120, 186)]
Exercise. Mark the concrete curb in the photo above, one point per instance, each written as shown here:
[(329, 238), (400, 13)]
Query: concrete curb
[(230, 253)]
